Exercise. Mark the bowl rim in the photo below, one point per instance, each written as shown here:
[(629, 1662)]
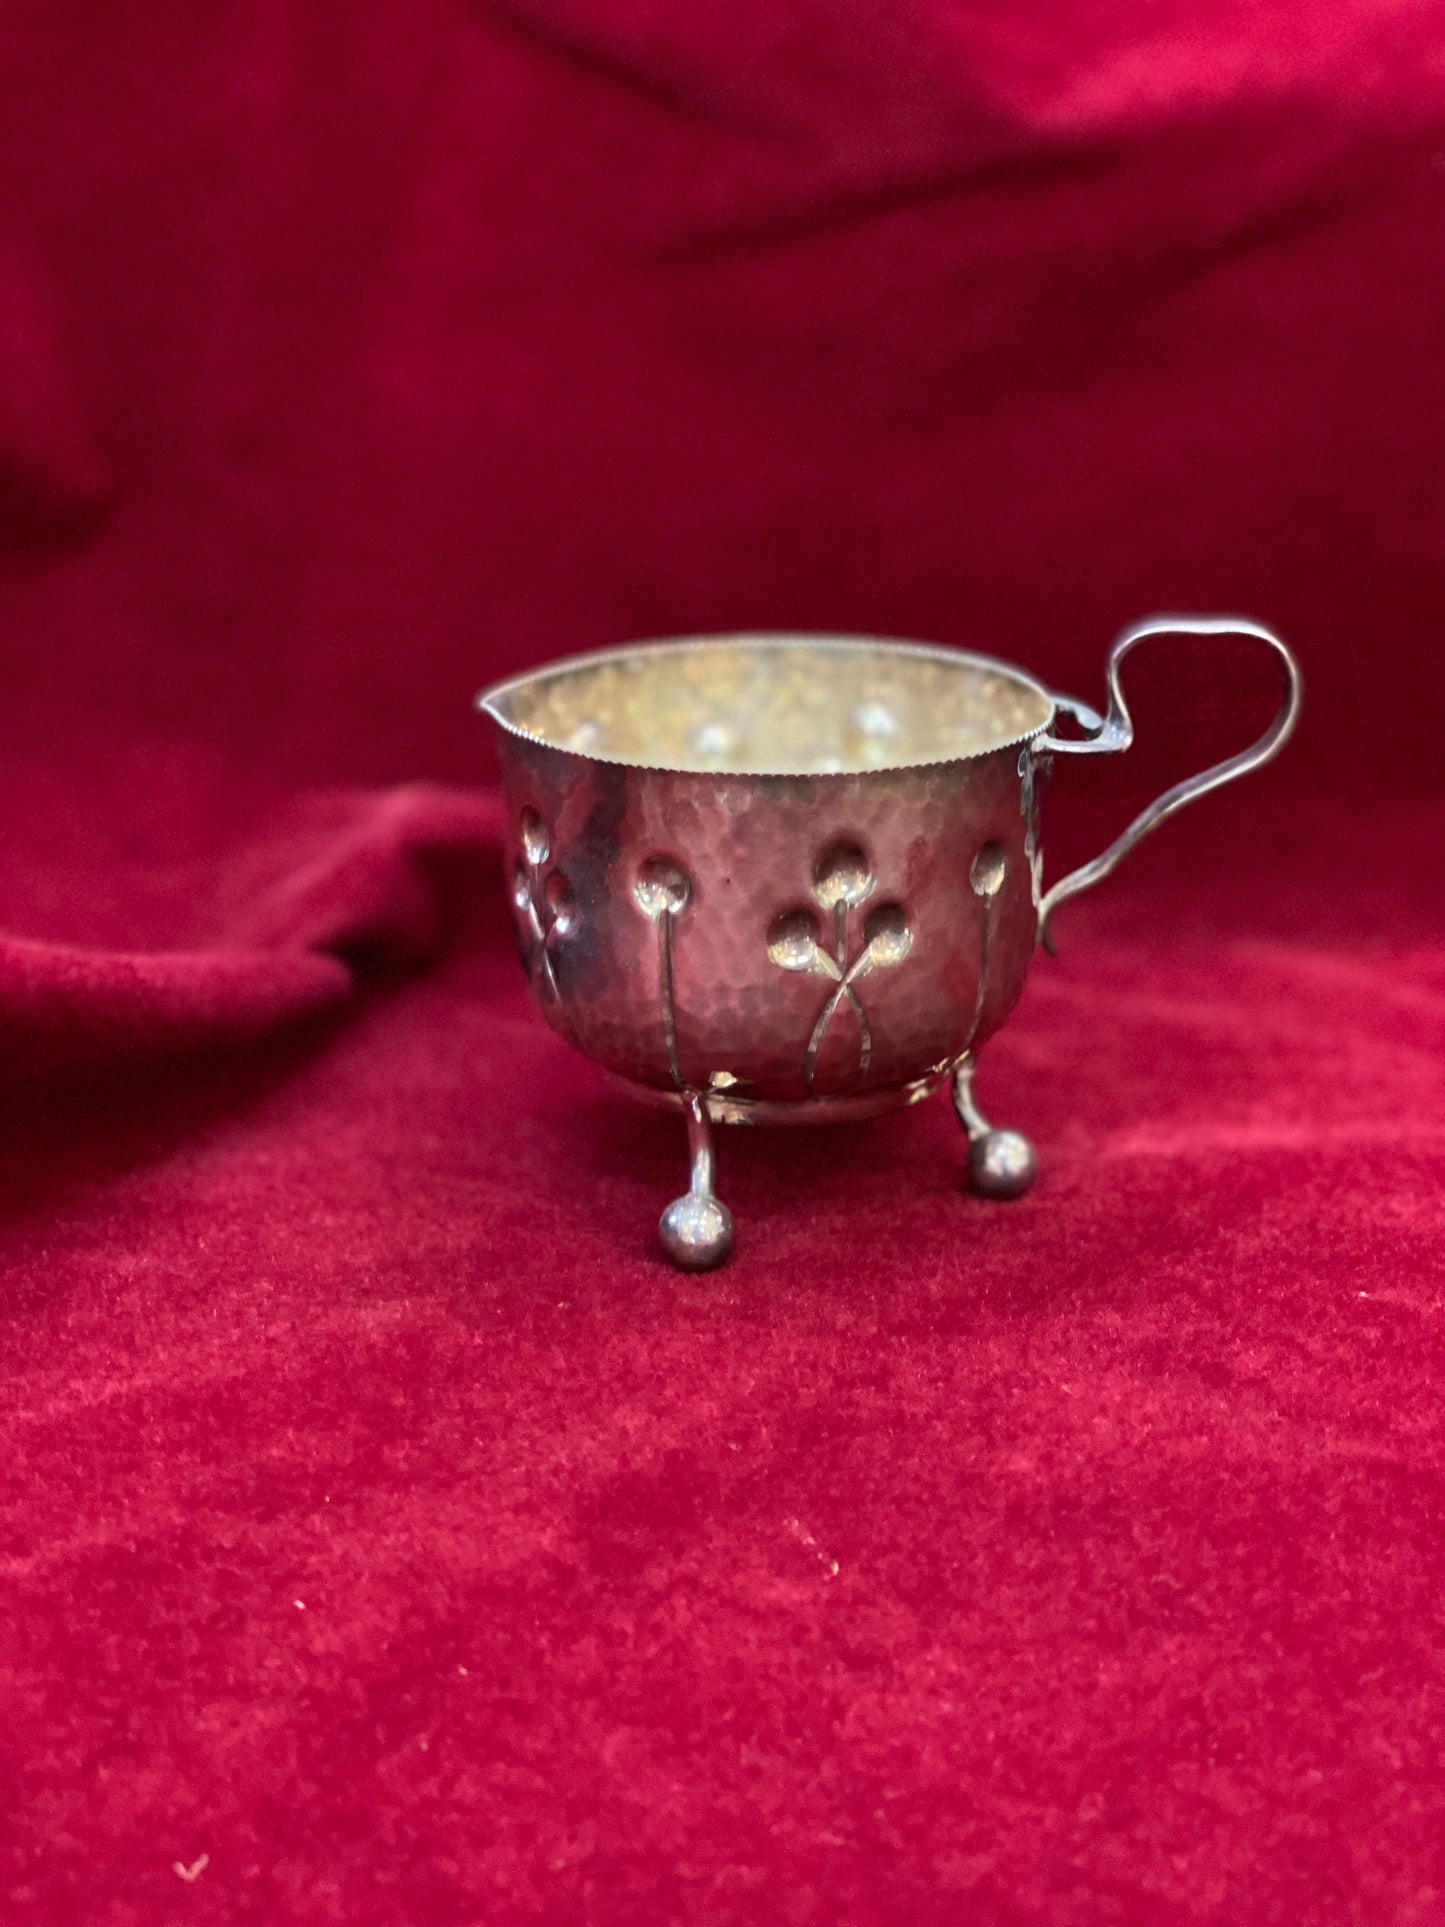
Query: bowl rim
[(828, 641)]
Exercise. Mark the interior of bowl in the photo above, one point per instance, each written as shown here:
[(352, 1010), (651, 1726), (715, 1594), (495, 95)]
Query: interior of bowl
[(774, 704)]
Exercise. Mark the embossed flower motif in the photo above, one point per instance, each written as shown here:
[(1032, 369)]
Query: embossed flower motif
[(662, 893), (544, 902), (842, 884)]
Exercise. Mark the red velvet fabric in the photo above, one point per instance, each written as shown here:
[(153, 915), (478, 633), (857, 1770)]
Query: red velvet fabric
[(388, 1536)]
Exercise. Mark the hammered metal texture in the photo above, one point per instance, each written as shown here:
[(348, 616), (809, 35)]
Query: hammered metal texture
[(754, 849), (782, 877)]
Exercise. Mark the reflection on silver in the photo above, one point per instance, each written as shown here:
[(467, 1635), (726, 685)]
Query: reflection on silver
[(842, 883), (1033, 771), (986, 878), (1001, 1164), (544, 902), (714, 741), (697, 1228), (749, 747), (662, 892)]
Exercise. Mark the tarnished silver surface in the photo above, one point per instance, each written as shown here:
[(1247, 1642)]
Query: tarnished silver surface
[(697, 1228), (1001, 1164), (786, 878)]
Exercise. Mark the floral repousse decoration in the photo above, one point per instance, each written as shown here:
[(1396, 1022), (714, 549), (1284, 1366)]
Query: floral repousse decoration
[(986, 877), (662, 892), (544, 902), (842, 884)]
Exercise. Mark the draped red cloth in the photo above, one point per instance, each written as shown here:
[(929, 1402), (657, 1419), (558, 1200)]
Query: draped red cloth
[(388, 1535)]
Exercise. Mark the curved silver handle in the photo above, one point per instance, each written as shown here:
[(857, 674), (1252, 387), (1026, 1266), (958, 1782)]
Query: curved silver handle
[(1116, 731)]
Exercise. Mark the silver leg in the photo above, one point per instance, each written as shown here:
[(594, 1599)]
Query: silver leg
[(697, 1229), (1001, 1164)]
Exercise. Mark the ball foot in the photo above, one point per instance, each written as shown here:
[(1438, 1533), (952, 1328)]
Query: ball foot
[(696, 1231), (1001, 1164)]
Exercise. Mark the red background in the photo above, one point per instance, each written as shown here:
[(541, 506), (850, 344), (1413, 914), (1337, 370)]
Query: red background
[(386, 1535)]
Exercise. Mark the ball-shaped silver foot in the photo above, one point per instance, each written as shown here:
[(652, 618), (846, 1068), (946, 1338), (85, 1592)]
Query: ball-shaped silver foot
[(1001, 1164), (696, 1232)]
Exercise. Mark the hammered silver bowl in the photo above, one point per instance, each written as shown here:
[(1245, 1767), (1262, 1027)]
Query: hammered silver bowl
[(775, 879)]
